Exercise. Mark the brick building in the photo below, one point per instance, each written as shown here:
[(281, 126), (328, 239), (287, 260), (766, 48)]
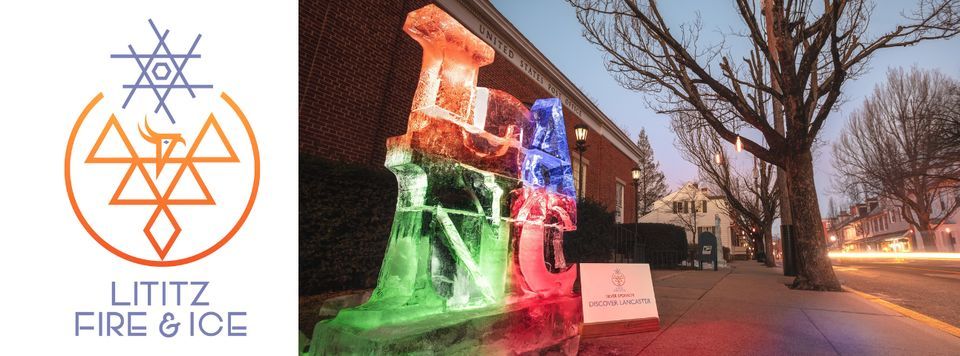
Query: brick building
[(359, 71)]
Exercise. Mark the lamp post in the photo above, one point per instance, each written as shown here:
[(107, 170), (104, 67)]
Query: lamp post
[(635, 174), (951, 242), (580, 131)]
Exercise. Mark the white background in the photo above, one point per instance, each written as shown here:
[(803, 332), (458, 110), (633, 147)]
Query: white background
[(53, 59)]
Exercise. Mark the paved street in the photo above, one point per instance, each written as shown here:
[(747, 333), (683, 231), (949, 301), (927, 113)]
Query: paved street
[(928, 287)]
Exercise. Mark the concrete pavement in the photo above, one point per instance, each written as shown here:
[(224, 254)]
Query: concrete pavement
[(747, 309)]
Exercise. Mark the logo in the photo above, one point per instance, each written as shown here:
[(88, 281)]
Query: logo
[(618, 279), (162, 170)]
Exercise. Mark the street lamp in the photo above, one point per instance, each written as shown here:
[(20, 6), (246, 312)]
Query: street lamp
[(635, 173), (580, 132)]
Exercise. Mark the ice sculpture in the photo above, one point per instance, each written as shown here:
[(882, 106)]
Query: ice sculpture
[(475, 258)]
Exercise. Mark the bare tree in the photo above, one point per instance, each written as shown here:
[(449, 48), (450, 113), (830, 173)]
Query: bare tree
[(801, 54), (948, 125), (652, 185), (887, 149), (751, 199)]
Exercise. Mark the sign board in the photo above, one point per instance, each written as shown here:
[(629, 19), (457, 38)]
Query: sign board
[(617, 299), (708, 246)]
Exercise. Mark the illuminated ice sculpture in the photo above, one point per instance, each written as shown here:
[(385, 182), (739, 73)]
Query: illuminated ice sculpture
[(475, 258)]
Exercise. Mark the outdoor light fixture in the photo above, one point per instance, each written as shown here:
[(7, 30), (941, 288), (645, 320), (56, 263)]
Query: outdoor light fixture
[(635, 173), (739, 145), (833, 238), (717, 158), (580, 132)]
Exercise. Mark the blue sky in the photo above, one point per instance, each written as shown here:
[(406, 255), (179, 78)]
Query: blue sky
[(552, 26)]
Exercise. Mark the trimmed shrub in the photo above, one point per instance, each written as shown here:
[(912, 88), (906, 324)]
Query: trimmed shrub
[(346, 212), (664, 245), (593, 240)]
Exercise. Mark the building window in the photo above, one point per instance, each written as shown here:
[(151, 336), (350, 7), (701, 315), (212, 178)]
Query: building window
[(620, 190), (704, 206), (710, 229)]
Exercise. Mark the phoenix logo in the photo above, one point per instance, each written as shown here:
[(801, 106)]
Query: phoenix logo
[(176, 190)]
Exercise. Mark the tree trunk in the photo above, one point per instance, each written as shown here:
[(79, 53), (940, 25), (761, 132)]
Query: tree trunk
[(927, 233), (814, 270), (768, 245), (929, 241)]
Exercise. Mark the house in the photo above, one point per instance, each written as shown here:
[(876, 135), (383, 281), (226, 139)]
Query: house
[(877, 225), (695, 208)]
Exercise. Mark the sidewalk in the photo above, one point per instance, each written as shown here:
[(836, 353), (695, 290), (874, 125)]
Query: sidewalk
[(747, 309)]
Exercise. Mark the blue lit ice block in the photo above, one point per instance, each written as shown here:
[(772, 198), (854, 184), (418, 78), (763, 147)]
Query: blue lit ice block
[(547, 160)]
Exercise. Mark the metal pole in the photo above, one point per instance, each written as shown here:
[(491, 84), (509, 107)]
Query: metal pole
[(580, 172), (580, 195), (636, 219)]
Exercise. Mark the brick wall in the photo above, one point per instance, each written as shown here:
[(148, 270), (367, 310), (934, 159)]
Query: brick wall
[(358, 73)]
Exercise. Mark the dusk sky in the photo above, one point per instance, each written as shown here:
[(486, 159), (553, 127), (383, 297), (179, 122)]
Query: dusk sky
[(552, 26)]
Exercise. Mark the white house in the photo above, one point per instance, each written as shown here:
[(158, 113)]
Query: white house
[(692, 206)]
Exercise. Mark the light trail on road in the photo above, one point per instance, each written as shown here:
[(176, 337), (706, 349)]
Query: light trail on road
[(896, 255), (925, 285)]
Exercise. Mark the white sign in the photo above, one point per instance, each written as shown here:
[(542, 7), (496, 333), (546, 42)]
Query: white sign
[(617, 291)]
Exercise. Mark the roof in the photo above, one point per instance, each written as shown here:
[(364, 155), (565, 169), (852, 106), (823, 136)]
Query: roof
[(895, 234)]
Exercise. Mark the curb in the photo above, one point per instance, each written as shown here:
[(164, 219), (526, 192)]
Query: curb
[(929, 321)]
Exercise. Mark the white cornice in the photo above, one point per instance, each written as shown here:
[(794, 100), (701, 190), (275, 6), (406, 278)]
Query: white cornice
[(508, 41)]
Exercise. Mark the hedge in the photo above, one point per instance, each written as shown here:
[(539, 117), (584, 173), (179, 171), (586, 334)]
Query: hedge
[(346, 212), (597, 236), (345, 216)]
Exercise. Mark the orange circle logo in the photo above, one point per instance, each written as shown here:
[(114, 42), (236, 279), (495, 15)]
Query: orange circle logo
[(162, 195)]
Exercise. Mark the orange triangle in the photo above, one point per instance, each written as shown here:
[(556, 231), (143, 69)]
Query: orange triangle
[(224, 149), (118, 141)]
